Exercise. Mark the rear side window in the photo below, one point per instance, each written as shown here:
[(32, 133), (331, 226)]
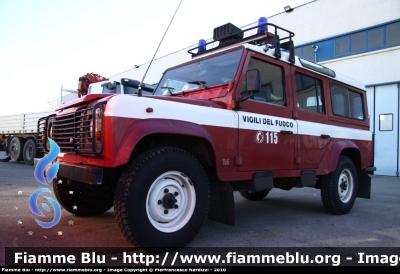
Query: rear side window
[(309, 93), (347, 103)]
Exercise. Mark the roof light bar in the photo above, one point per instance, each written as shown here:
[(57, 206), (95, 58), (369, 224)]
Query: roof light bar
[(229, 34)]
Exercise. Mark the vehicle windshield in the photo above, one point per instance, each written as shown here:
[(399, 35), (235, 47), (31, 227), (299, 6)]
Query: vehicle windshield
[(214, 70)]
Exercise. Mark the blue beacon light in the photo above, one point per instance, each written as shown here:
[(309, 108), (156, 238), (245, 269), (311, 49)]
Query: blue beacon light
[(202, 46), (262, 20)]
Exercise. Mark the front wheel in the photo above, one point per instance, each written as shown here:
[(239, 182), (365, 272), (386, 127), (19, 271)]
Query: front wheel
[(339, 188), (83, 199), (162, 199)]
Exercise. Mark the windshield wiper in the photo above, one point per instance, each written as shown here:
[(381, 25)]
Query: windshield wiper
[(169, 89), (200, 83)]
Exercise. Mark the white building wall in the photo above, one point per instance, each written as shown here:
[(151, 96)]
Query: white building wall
[(312, 21), (369, 68), (327, 18), (157, 68)]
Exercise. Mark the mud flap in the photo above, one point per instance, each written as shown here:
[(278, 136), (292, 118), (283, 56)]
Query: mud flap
[(263, 180), (222, 204), (364, 185), (308, 178)]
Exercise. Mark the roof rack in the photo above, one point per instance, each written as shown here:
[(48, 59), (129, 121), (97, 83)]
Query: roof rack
[(229, 34)]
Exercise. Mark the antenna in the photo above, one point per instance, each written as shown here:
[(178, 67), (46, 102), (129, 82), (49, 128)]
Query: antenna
[(139, 93)]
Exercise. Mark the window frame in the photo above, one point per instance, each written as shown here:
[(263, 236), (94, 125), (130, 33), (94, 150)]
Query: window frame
[(327, 47), (283, 78), (380, 124), (349, 108), (321, 93)]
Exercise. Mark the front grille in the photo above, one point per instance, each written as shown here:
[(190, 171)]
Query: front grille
[(73, 132), (41, 132)]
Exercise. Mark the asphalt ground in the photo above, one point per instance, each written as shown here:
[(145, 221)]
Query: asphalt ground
[(294, 218)]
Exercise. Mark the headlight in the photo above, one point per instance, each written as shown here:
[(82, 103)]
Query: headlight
[(99, 122), (49, 135), (98, 128)]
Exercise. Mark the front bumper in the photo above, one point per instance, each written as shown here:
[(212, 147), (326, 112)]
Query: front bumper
[(83, 174)]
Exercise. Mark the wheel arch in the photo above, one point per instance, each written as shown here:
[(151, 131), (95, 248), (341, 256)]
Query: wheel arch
[(199, 147), (146, 134), (350, 149), (346, 148)]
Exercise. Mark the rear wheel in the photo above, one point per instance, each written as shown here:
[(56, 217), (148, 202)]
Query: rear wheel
[(16, 148), (162, 199), (256, 196), (29, 151), (339, 188)]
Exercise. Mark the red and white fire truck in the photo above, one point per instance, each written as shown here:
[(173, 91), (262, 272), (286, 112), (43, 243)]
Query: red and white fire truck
[(243, 115)]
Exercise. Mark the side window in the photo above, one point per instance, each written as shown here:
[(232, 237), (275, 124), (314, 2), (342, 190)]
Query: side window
[(272, 83), (347, 103), (309, 93)]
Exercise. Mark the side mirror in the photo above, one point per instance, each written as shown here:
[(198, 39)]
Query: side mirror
[(252, 84), (253, 81), (112, 86)]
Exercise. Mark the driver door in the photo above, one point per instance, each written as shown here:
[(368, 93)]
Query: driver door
[(267, 131)]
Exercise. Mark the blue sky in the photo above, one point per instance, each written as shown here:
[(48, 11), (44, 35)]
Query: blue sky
[(46, 43)]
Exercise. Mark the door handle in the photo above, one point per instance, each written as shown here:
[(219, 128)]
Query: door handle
[(286, 132), (325, 136)]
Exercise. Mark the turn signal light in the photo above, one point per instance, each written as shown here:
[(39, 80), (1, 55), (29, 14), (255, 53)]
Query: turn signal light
[(98, 136)]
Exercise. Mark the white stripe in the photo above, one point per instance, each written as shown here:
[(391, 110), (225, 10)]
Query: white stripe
[(268, 123), (314, 129), (317, 129), (135, 107), (351, 133)]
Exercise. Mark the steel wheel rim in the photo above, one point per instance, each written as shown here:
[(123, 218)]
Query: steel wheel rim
[(13, 149), (345, 185), (170, 201)]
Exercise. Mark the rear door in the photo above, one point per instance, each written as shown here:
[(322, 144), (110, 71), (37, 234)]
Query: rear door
[(314, 132)]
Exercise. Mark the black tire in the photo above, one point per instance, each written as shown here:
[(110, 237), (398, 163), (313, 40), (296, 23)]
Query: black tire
[(144, 209), (16, 149), (256, 196), (339, 188), (29, 151), (88, 199)]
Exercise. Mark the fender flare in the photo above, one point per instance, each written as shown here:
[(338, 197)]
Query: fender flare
[(142, 128), (337, 149)]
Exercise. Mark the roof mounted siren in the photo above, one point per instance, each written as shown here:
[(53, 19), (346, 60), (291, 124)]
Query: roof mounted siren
[(262, 26), (202, 46)]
